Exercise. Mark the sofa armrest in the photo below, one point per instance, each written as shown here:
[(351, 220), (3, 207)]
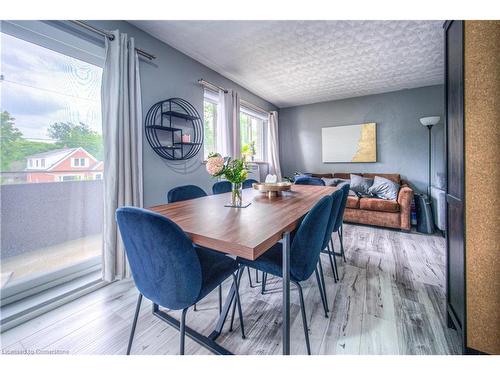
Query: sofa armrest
[(405, 197)]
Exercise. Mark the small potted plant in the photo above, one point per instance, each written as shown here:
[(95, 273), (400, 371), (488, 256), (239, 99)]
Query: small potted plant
[(233, 170)]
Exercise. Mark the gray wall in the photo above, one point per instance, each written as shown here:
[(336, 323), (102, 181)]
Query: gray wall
[(402, 141), (173, 74)]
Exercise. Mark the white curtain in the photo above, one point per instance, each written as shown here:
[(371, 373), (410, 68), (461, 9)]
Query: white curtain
[(228, 126), (273, 151), (122, 137)]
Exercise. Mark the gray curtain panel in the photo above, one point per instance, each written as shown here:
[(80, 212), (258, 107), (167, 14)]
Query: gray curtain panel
[(273, 153), (122, 137)]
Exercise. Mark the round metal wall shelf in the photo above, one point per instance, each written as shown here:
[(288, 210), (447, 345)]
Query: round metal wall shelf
[(167, 123)]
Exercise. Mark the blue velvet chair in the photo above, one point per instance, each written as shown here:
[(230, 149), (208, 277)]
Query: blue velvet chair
[(337, 198), (248, 183), (184, 193), (306, 180), (338, 227), (167, 267), (222, 187), (304, 254)]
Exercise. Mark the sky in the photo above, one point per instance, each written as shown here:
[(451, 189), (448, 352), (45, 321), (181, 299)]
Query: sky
[(40, 87)]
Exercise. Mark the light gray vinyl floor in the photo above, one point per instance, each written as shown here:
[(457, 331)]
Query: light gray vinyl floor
[(390, 300)]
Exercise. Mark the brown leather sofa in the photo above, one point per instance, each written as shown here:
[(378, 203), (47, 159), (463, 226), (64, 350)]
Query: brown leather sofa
[(375, 211)]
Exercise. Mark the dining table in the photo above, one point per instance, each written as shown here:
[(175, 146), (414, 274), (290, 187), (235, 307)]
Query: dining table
[(244, 232)]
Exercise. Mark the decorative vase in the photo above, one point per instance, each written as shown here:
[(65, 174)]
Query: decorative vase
[(237, 194)]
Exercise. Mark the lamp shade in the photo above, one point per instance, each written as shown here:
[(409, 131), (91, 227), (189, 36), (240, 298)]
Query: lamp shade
[(430, 121)]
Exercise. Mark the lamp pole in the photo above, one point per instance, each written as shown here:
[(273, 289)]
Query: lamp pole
[(430, 162)]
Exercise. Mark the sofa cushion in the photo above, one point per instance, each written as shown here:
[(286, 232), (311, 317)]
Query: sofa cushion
[(377, 204), (352, 201), (394, 177)]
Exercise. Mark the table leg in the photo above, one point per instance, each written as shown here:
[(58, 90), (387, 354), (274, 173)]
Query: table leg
[(286, 293), (225, 311)]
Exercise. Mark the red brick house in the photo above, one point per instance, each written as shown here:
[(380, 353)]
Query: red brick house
[(67, 164)]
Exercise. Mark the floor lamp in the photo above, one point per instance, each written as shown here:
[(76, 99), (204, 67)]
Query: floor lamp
[(429, 122)]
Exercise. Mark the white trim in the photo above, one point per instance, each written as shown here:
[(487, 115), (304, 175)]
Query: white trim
[(249, 111), (211, 96)]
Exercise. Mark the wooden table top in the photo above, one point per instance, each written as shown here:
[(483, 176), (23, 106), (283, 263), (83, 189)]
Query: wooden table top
[(245, 232)]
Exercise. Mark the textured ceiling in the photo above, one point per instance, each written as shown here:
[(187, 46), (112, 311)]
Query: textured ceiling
[(299, 62)]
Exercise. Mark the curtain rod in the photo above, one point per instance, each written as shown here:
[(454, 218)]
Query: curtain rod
[(211, 85), (110, 36), (202, 82)]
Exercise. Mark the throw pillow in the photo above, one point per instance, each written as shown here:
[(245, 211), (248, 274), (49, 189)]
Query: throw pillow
[(384, 188), (360, 185)]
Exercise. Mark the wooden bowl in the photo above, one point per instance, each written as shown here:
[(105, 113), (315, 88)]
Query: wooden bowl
[(272, 190)]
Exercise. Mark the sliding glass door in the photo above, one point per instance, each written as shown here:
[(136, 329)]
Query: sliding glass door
[(51, 165)]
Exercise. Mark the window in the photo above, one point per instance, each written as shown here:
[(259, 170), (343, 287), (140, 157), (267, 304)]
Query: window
[(252, 129), (50, 106), (210, 106), (252, 126), (70, 178), (79, 162)]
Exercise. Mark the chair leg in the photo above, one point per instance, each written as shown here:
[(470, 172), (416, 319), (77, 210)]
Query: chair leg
[(237, 295), (334, 258), (182, 331), (341, 237), (323, 282), (220, 299), (257, 276), (264, 280), (134, 323), (194, 307), (249, 277), (321, 292), (233, 312), (304, 318), (333, 263)]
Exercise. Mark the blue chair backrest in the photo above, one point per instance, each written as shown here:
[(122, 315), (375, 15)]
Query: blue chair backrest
[(307, 242), (248, 183), (340, 217), (162, 258), (222, 187), (337, 197), (184, 193), (305, 180)]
